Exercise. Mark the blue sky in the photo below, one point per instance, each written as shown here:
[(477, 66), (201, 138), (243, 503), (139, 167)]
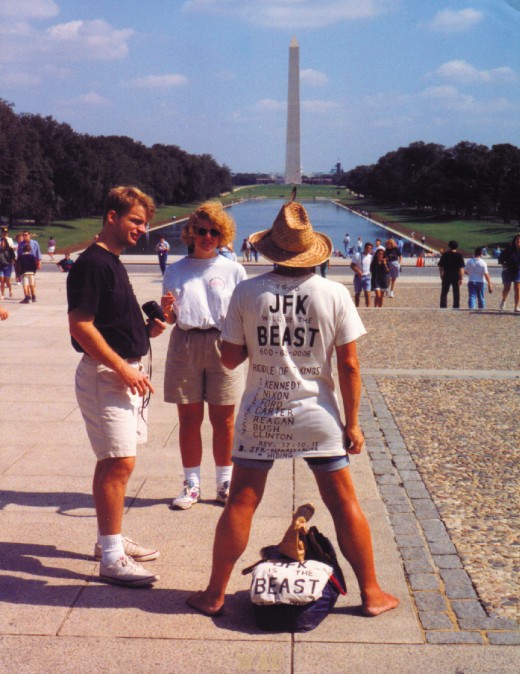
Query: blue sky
[(211, 75)]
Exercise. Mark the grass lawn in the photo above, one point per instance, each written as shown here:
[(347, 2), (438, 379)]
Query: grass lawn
[(72, 235)]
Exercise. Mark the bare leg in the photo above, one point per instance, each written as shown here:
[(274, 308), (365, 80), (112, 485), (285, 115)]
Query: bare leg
[(109, 487), (231, 537), (517, 294), (222, 418), (356, 299), (505, 290), (354, 538), (190, 440), (367, 298)]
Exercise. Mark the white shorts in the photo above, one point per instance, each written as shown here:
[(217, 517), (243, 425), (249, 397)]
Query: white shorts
[(114, 417), (28, 279)]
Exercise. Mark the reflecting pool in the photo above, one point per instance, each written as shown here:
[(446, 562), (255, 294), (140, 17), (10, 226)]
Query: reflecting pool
[(257, 214)]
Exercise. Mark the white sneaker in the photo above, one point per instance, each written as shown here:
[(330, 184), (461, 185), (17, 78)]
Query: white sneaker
[(126, 572), (189, 495), (223, 492), (517, 310), (391, 294), (132, 549), (502, 305)]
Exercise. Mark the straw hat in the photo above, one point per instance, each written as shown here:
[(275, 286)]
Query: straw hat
[(291, 241)]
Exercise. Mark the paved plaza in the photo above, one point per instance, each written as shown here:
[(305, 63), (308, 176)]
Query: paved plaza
[(438, 482)]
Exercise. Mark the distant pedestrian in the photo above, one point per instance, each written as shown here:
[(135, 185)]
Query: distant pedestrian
[(360, 265), (379, 276), (7, 259), (162, 249), (254, 252), (66, 263), (245, 249), (509, 258), (28, 268), (476, 269), (359, 244), (324, 268), (451, 270), (346, 243), (51, 248), (394, 260), (35, 250)]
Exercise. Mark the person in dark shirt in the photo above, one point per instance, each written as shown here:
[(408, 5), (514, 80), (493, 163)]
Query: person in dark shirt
[(451, 266), (107, 326), (66, 263)]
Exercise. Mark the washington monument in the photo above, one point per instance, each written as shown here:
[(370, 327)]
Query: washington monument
[(293, 174)]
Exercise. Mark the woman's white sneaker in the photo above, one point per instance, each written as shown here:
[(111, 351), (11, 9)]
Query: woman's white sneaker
[(126, 572)]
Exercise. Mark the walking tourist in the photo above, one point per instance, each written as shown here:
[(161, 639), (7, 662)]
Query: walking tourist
[(394, 260), (7, 259), (162, 249), (379, 276), (509, 258), (360, 265), (451, 270), (476, 269)]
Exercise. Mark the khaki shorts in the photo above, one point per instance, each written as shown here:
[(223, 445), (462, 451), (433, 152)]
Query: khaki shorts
[(193, 371), (114, 417)]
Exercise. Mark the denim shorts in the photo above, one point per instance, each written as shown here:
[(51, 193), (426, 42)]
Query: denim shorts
[(6, 272), (362, 283), (319, 464)]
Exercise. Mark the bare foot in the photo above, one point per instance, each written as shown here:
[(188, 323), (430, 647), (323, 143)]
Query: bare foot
[(201, 602), (378, 603)]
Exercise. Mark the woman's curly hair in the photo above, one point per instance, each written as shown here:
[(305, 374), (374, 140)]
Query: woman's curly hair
[(210, 214)]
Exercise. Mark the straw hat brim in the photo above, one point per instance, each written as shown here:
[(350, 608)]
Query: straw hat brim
[(319, 251)]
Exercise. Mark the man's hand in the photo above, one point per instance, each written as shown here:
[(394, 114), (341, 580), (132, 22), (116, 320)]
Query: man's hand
[(137, 381), (156, 328), (167, 304), (356, 438)]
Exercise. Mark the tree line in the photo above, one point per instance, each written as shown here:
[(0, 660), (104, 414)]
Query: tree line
[(48, 171), (468, 180)]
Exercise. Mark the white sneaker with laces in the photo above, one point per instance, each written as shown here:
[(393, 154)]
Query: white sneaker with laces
[(132, 549), (126, 572), (189, 495)]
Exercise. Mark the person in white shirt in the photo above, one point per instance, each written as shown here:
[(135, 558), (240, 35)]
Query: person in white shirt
[(360, 265), (196, 294), (289, 322), (476, 269)]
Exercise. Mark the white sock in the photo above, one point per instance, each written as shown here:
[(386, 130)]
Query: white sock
[(111, 547), (192, 473), (223, 474)]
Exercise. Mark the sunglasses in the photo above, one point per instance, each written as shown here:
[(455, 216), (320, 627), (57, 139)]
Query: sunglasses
[(202, 231)]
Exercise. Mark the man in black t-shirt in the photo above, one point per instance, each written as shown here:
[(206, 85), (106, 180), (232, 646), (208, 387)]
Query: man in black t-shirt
[(451, 266), (107, 326)]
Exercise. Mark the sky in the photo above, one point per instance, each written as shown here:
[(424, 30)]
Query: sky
[(210, 76)]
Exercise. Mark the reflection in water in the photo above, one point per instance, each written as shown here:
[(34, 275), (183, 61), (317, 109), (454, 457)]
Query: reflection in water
[(257, 214)]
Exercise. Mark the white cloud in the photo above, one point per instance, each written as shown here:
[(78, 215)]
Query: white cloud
[(92, 99), (258, 109), (449, 97), (455, 21), (20, 79), (89, 39), (313, 77), (293, 13), (29, 9), (464, 72), (159, 81)]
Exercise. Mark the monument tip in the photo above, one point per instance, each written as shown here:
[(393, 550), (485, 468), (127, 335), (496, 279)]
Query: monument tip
[(294, 42)]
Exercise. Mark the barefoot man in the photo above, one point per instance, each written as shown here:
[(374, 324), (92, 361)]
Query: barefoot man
[(288, 322)]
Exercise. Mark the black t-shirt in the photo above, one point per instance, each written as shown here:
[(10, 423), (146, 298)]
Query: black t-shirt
[(451, 262), (98, 283)]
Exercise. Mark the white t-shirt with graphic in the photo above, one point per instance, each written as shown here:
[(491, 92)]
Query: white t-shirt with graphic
[(202, 290), (290, 328)]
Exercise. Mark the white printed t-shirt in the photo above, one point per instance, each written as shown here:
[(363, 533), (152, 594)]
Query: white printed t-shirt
[(202, 290), (290, 328)]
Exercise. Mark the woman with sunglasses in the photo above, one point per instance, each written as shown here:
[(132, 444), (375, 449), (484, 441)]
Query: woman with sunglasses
[(196, 294)]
